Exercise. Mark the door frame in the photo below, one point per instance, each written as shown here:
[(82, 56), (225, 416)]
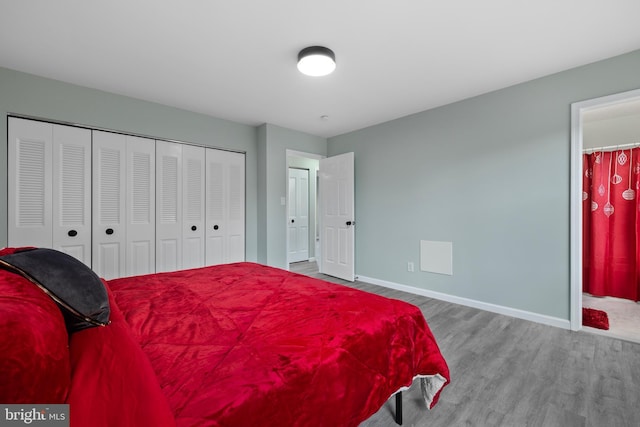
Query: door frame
[(313, 180), (575, 272)]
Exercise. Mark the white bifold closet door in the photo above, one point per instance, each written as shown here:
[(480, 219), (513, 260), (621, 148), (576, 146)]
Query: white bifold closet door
[(193, 159), (225, 212), (49, 190), (168, 206), (140, 206), (123, 205), (180, 209)]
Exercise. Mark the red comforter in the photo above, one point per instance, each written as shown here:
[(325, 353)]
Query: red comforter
[(248, 345)]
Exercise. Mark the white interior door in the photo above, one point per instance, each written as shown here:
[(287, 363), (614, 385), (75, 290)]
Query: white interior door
[(141, 206), (30, 184), (298, 218), (49, 187), (337, 216), (109, 215), (168, 206), (193, 161), (216, 208), (235, 190), (72, 191), (225, 201)]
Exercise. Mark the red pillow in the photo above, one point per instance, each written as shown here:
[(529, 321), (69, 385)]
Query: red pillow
[(34, 344), (113, 383)]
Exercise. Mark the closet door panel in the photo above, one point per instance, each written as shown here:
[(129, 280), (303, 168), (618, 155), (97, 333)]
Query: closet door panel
[(193, 241), (168, 255), (215, 218), (108, 263), (141, 206), (168, 206), (72, 191), (225, 201), (109, 214), (29, 183), (236, 206)]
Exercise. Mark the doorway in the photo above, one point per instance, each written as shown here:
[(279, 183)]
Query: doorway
[(298, 219), (616, 118), (302, 247), (332, 229)]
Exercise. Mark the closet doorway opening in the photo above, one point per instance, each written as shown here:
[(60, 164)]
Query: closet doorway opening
[(602, 128)]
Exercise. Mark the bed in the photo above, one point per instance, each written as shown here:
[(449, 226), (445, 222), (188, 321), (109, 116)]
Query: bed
[(233, 345)]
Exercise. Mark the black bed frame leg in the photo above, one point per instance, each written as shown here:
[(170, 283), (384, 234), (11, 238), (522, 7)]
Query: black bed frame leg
[(399, 408)]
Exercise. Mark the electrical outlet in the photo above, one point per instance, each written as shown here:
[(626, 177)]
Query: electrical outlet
[(410, 266)]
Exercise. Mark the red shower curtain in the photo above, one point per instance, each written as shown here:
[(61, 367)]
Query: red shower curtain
[(611, 223)]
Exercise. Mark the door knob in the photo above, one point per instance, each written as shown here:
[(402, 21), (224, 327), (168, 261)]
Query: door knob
[(292, 221), (109, 231), (349, 223), (215, 227), (72, 233), (194, 228)]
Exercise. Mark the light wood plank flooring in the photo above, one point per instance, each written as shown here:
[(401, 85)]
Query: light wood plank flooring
[(512, 372)]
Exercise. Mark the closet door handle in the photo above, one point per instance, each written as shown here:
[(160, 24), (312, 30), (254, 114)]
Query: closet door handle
[(109, 231), (215, 227), (194, 228), (72, 233)]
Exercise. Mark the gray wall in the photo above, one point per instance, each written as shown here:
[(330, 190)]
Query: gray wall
[(262, 193), (490, 174), (26, 94), (265, 146), (273, 142)]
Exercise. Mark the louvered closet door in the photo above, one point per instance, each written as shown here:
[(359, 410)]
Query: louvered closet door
[(216, 223), (225, 207), (168, 206), (235, 208), (72, 191), (140, 206), (109, 220), (29, 183), (193, 160)]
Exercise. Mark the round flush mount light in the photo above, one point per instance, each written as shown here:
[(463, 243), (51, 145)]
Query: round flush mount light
[(316, 61)]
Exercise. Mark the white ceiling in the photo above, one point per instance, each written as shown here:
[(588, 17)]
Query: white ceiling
[(235, 59)]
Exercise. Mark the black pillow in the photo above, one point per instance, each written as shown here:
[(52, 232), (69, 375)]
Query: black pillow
[(76, 289)]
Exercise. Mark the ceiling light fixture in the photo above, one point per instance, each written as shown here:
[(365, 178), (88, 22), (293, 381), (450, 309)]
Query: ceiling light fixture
[(316, 61)]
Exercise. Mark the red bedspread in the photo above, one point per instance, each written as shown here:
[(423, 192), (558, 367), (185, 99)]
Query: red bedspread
[(248, 345)]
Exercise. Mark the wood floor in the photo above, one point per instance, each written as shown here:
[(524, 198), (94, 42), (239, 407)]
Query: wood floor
[(512, 372)]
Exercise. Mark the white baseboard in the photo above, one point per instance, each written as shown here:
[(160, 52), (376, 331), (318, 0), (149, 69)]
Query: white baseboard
[(507, 311)]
